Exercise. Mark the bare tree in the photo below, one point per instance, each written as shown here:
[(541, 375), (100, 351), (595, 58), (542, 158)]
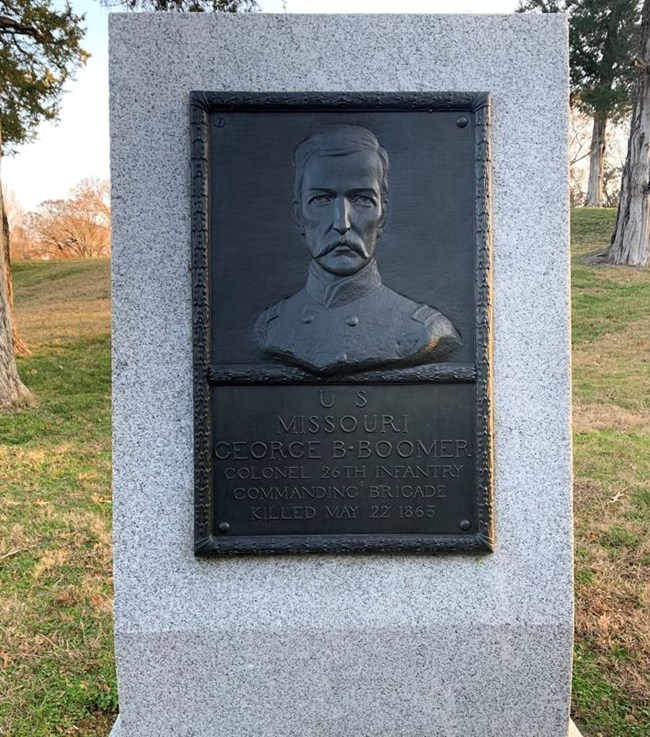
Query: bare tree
[(631, 240), (579, 148), (77, 226), (580, 133)]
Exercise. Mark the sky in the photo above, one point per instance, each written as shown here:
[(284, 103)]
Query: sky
[(77, 145)]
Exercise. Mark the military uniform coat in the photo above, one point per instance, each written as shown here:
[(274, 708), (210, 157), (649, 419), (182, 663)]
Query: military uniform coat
[(341, 324)]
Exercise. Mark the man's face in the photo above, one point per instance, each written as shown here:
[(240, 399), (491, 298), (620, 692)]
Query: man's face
[(340, 210)]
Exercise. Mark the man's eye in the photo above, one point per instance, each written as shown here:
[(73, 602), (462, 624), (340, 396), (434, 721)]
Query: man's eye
[(319, 199), (363, 200)]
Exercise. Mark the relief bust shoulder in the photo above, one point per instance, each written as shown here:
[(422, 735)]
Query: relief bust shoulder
[(380, 327)]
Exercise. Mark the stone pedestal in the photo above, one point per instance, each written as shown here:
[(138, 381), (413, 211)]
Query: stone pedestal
[(374, 645)]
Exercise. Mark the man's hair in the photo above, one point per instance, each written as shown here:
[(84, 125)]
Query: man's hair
[(339, 140)]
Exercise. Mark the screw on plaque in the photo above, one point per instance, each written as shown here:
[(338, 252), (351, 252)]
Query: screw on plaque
[(464, 525), (223, 527), (462, 121)]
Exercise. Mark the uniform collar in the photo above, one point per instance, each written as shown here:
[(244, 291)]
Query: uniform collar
[(333, 291)]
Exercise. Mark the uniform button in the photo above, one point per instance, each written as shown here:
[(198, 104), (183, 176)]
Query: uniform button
[(307, 318), (353, 321), (343, 357)]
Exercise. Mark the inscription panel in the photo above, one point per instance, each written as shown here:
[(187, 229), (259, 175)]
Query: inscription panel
[(344, 460), (341, 322)]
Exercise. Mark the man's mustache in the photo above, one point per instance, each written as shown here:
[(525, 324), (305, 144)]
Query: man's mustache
[(353, 244)]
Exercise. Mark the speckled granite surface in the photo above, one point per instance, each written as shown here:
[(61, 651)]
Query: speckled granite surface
[(388, 646)]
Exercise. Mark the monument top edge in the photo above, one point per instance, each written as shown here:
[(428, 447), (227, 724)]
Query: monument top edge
[(534, 19)]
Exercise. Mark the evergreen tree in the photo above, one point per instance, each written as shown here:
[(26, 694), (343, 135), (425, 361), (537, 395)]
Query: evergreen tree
[(40, 47), (603, 37)]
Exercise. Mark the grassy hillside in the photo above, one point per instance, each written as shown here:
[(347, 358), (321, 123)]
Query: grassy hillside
[(56, 671), (611, 419), (56, 660)]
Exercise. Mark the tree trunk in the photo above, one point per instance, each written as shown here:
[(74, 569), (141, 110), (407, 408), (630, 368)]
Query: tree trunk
[(631, 240), (12, 390), (20, 347), (597, 162)]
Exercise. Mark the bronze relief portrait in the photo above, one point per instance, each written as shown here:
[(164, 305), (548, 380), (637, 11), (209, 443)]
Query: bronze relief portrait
[(345, 318), (341, 241)]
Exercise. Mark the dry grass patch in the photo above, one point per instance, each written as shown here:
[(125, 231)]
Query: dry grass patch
[(612, 623), (50, 562), (613, 370), (613, 614), (612, 503), (591, 417), (63, 300), (71, 321)]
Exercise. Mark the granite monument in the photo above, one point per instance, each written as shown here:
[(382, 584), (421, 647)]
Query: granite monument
[(381, 641)]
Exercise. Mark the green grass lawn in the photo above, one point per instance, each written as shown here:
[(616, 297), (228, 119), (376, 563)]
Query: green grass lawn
[(56, 669), (56, 655), (611, 406)]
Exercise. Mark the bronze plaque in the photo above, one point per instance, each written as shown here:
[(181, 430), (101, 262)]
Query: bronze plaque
[(341, 270)]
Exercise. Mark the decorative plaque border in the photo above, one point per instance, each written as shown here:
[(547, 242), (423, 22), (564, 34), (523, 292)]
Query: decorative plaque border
[(206, 375)]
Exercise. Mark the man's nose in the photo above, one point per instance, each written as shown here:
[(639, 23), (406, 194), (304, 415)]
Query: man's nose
[(341, 216)]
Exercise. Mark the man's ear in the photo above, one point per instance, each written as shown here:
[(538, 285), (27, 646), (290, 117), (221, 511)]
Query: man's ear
[(297, 215)]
